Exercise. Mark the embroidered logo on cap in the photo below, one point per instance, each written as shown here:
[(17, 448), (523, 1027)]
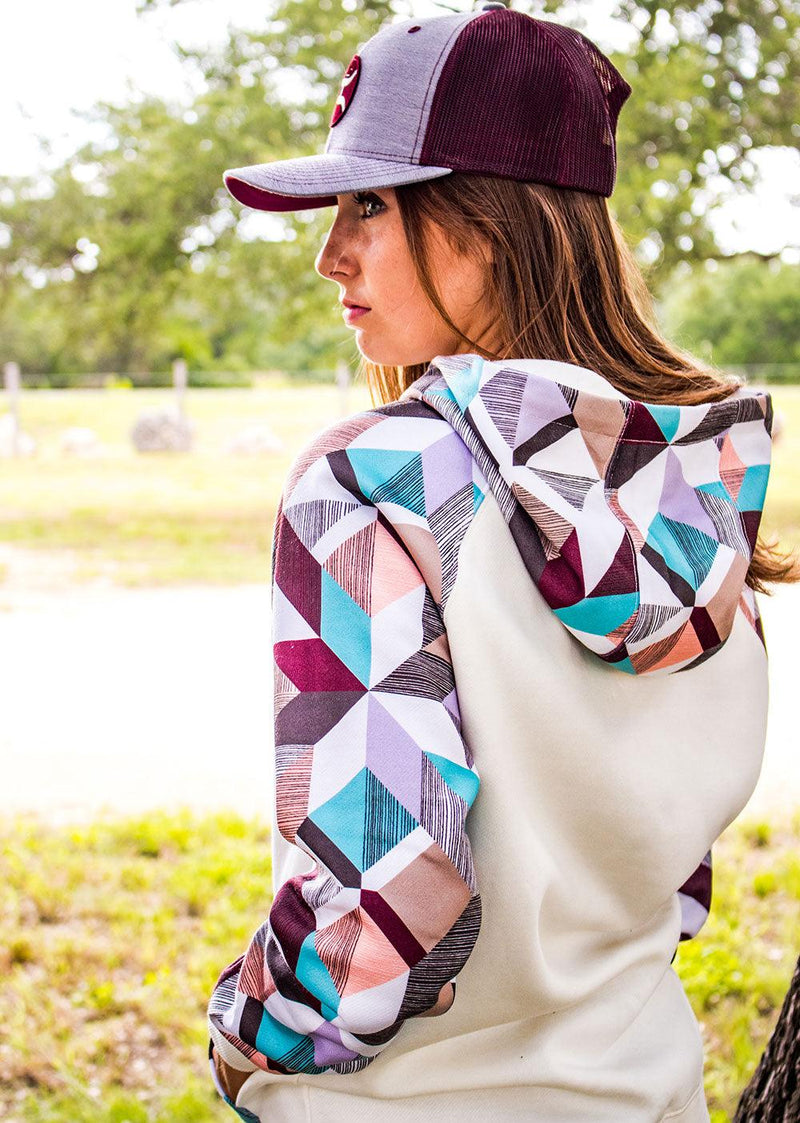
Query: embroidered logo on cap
[(349, 83)]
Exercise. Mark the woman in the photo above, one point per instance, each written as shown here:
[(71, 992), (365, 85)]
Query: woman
[(489, 763)]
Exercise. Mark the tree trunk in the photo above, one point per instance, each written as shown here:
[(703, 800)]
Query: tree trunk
[(773, 1094)]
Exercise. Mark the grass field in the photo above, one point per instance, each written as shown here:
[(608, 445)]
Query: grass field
[(207, 516), (112, 935), (160, 518)]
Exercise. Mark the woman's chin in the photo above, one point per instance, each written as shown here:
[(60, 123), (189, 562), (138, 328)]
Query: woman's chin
[(388, 356)]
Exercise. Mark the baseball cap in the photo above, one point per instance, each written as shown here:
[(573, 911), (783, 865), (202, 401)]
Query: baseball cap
[(491, 91)]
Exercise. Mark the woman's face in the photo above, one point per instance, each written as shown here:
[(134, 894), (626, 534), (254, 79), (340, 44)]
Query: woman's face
[(366, 252)]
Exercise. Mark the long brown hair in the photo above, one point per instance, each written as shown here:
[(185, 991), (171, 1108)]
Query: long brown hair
[(565, 286)]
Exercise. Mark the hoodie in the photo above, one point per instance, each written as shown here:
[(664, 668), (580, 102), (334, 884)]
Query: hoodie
[(513, 600)]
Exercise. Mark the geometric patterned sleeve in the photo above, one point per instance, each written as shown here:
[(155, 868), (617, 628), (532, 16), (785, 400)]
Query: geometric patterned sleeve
[(373, 783), (694, 897)]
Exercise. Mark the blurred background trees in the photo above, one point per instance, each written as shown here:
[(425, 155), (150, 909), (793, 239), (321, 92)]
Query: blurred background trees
[(134, 254)]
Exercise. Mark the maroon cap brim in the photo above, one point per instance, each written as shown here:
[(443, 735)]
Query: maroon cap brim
[(263, 200)]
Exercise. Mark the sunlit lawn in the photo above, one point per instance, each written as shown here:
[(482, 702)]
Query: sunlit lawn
[(112, 935), (158, 518), (208, 516)]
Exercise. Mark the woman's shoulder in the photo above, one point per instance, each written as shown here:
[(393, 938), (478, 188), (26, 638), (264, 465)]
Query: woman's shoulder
[(374, 440)]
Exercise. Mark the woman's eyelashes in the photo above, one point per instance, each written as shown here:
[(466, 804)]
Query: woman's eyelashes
[(368, 199)]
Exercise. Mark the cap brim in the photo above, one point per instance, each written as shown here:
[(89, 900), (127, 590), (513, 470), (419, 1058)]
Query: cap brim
[(315, 181)]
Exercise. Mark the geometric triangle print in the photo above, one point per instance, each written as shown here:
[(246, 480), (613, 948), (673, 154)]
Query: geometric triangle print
[(621, 575), (345, 627), (291, 792), (687, 550), (554, 528), (731, 469), (687, 647), (571, 487), (350, 565), (393, 575), (641, 441), (667, 417), (364, 820), (682, 589), (376, 962), (548, 435), (393, 756), (388, 822), (311, 518), (504, 387), (679, 500), (390, 475), (300, 574)]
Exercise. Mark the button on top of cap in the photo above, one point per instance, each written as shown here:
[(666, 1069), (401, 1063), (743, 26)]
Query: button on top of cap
[(493, 4)]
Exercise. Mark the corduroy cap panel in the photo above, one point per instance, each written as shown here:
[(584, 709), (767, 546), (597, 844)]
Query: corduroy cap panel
[(495, 112), (389, 108), (590, 150)]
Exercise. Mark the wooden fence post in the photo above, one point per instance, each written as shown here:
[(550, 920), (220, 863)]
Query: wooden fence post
[(180, 380), (11, 374)]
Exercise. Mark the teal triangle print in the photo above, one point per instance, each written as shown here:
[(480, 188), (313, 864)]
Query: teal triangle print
[(467, 384), (388, 822), (314, 976), (667, 417), (599, 615), (342, 818), (345, 628), (390, 474)]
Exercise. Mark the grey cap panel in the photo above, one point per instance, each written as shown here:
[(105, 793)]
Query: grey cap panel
[(331, 174), (389, 108)]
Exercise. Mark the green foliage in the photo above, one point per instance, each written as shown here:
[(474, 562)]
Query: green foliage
[(135, 254), (711, 82), (741, 313)]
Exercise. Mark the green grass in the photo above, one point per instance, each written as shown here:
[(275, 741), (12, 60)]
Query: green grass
[(156, 519), (112, 935)]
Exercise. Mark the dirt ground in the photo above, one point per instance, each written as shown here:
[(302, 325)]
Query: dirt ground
[(123, 699)]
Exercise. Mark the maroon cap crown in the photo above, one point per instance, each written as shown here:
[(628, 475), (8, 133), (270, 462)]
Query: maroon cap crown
[(530, 99)]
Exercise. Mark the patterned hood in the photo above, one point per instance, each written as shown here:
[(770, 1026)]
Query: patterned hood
[(637, 521)]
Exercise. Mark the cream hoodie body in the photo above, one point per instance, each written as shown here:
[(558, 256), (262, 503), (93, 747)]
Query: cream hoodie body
[(520, 689)]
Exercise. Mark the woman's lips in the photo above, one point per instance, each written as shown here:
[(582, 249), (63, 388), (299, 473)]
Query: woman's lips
[(354, 313)]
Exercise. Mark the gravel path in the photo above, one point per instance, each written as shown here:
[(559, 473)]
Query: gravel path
[(124, 699)]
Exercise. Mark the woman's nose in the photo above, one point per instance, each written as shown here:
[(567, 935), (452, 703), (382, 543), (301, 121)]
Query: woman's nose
[(331, 259)]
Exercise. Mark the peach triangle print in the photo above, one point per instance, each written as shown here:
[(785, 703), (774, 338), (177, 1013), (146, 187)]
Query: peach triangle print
[(393, 574), (349, 83), (731, 468)]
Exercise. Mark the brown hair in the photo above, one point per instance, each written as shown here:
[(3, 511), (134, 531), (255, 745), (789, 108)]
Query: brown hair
[(565, 286)]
